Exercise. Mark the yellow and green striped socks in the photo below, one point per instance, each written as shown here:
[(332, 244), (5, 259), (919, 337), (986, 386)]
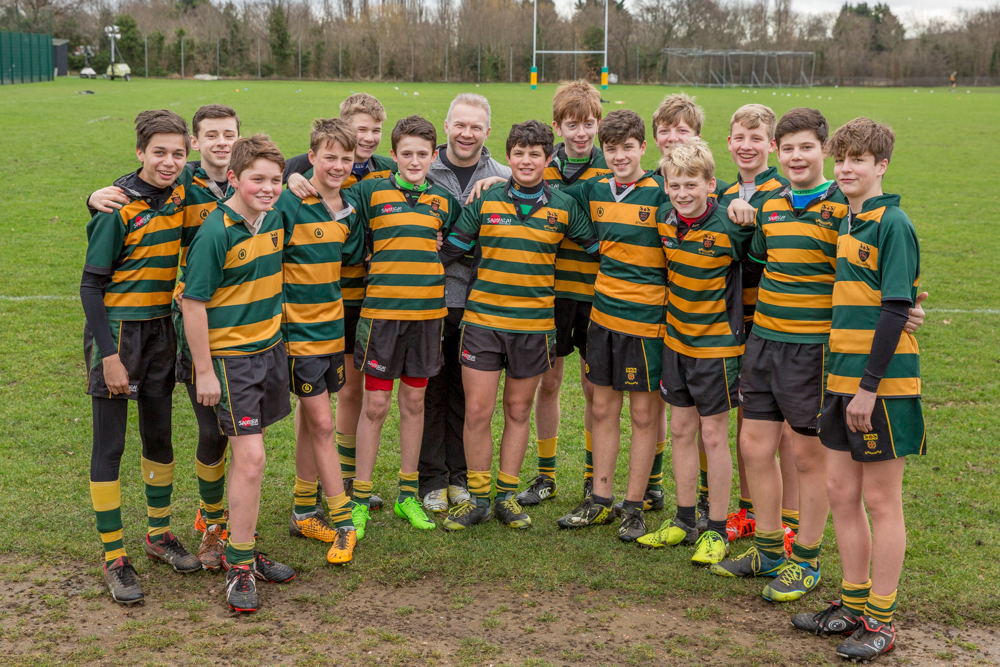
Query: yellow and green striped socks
[(770, 543), (362, 492), (588, 455), (340, 511), (240, 553), (807, 553), (159, 481), (211, 490), (881, 607), (790, 518), (407, 485), (656, 474), (346, 444), (746, 504), (107, 499), (304, 493), (547, 457), (507, 485), (479, 486), (855, 596)]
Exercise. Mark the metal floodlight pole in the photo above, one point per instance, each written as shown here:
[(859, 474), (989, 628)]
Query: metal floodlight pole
[(534, 49), (604, 70)]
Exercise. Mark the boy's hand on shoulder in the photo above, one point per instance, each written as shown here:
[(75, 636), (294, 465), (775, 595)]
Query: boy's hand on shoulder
[(300, 187), (916, 318), (208, 388), (742, 213), (859, 411), (108, 200), (482, 186), (115, 375)]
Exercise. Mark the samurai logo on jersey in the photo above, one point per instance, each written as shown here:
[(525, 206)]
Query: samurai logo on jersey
[(389, 208), (775, 217), (495, 219), (247, 422), (376, 366), (143, 219)]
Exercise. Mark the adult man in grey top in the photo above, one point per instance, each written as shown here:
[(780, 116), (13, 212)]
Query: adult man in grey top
[(460, 165)]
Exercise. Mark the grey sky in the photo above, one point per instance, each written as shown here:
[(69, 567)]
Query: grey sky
[(909, 11)]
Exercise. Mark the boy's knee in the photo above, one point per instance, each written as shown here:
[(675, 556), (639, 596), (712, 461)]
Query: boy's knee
[(550, 384), (517, 411), (377, 404)]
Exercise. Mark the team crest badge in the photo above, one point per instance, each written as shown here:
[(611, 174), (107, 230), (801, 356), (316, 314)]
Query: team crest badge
[(274, 239), (551, 220), (435, 205), (203, 213), (864, 252), (708, 242), (175, 199), (644, 214), (600, 211), (318, 233), (826, 212)]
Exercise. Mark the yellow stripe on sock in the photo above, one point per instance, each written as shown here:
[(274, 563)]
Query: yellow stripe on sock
[(106, 496), (479, 482), (157, 474), (547, 447), (211, 472), (114, 555), (588, 441), (660, 446), (107, 538), (157, 512), (702, 461), (511, 480)]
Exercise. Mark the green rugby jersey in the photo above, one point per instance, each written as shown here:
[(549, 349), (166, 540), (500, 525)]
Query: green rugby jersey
[(317, 241), (878, 258), (405, 274), (138, 247), (352, 278), (768, 183), (238, 274), (630, 291), (705, 302), (575, 269), (514, 282), (799, 248), (201, 194)]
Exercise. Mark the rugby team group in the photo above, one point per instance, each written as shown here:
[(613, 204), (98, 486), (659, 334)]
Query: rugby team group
[(784, 294)]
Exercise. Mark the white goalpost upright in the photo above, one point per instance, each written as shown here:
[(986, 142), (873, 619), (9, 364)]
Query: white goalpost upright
[(535, 51)]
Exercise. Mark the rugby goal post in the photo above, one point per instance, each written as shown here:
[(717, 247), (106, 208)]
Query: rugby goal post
[(535, 51)]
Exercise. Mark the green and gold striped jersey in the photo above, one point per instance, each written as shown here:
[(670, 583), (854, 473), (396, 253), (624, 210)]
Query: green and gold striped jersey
[(405, 274), (201, 194), (575, 269), (318, 240), (630, 291), (878, 258), (138, 247), (704, 277), (237, 272), (767, 183), (352, 278), (799, 248), (513, 286)]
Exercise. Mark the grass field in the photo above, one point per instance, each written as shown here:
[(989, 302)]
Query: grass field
[(58, 146)]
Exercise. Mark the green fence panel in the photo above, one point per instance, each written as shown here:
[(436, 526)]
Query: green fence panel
[(25, 58)]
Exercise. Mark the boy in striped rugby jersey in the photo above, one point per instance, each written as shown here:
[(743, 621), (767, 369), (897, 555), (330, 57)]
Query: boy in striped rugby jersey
[(872, 417), (627, 322), (704, 342), (129, 343), (402, 318), (750, 142), (232, 319), (214, 129), (676, 120), (322, 233), (509, 322), (366, 115), (576, 113)]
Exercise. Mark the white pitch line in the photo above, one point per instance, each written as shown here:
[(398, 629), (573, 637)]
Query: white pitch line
[(975, 311), (41, 297)]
